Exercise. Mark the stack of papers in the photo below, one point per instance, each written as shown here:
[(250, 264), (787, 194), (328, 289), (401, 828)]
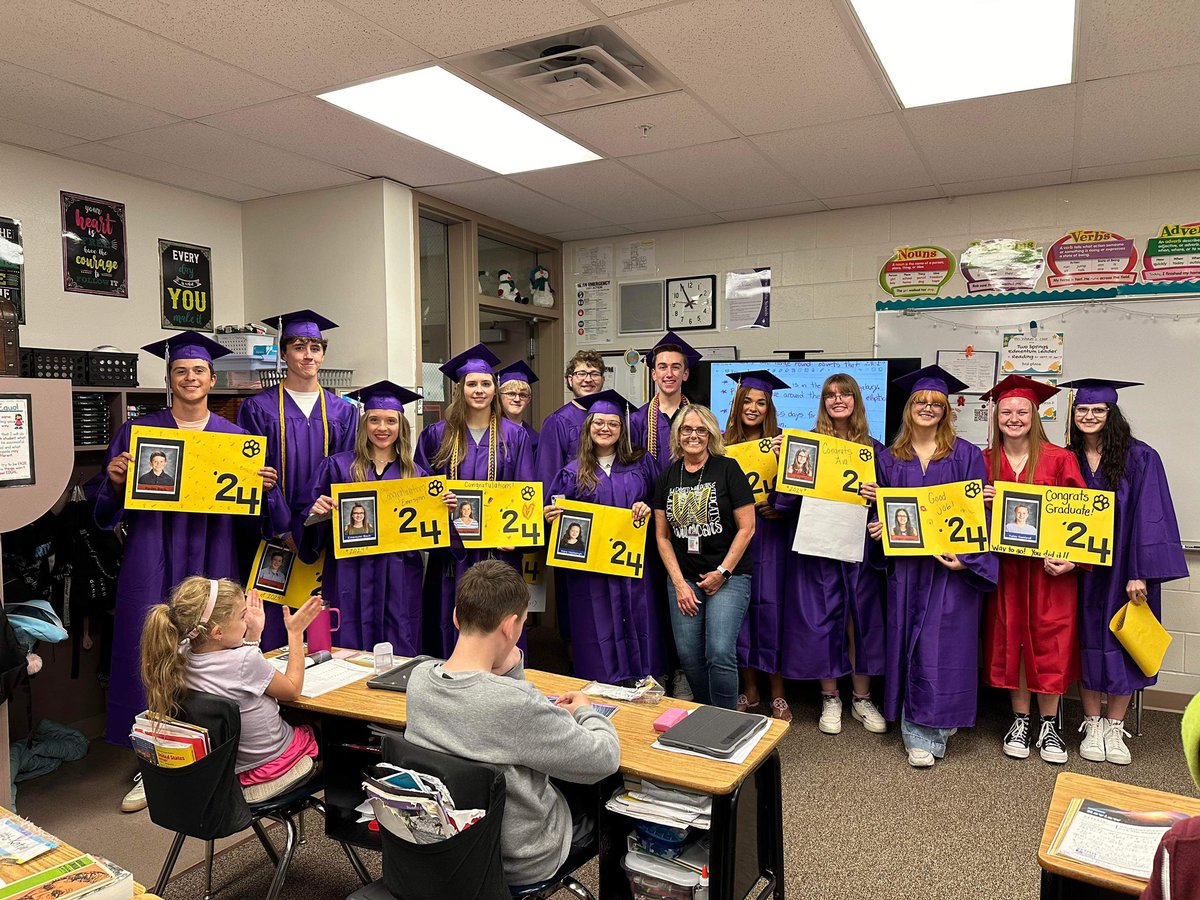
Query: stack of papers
[(167, 742), (665, 806), (327, 676), (1119, 840), (415, 807), (82, 878), (20, 843)]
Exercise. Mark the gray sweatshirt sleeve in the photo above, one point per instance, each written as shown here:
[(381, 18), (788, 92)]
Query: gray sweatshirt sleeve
[(582, 748)]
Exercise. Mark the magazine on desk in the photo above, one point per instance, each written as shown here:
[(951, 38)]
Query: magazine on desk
[(1120, 840), (83, 878)]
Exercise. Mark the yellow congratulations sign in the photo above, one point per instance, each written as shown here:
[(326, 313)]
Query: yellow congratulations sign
[(1075, 524), (280, 576), (759, 464), (947, 518), (498, 513), (590, 537), (195, 471), (818, 465), (371, 517)]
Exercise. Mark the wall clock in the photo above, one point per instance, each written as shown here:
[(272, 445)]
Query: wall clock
[(692, 302)]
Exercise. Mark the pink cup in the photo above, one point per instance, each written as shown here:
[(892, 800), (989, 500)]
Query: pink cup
[(319, 635)]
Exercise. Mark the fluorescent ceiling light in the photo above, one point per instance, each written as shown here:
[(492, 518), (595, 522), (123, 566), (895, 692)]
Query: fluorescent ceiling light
[(440, 109), (936, 51)]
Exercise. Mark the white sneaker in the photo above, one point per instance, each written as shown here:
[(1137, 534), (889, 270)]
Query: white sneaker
[(1092, 746), (681, 690), (920, 759), (135, 800), (863, 710), (1115, 750), (831, 714)]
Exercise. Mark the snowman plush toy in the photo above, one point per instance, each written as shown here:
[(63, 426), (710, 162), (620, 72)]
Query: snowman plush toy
[(539, 283), (508, 288)]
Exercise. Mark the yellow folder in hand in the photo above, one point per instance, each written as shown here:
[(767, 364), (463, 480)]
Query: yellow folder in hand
[(1142, 636)]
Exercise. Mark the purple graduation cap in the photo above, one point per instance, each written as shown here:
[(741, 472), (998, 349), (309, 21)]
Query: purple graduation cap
[(690, 353), (606, 403), (384, 395), (759, 380), (1097, 390), (479, 360), (517, 371), (303, 323), (186, 345), (930, 378)]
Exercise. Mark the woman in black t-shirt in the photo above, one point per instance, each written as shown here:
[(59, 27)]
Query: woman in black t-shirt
[(704, 520)]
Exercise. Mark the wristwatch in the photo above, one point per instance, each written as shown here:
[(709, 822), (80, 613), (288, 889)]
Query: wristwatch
[(725, 573)]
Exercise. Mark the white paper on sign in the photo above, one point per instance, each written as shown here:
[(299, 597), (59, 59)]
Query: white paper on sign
[(826, 529)]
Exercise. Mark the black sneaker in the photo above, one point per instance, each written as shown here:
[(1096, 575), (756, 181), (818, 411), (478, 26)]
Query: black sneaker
[(1016, 742), (1050, 743)]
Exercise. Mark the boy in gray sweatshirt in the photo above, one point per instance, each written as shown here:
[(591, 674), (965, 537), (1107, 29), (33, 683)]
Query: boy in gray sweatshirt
[(478, 706)]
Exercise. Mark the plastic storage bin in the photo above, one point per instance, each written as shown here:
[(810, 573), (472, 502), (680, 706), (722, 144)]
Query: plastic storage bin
[(654, 879), (37, 362), (260, 346), (106, 368), (661, 840)]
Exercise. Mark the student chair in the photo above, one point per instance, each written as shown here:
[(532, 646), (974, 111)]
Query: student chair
[(204, 800), (467, 865)]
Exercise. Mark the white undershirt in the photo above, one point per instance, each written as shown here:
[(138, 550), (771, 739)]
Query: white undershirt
[(606, 462), (306, 400), (194, 426), (477, 433)]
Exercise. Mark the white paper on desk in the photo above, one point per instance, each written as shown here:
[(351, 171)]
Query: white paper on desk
[(737, 759), (328, 676), (831, 529)]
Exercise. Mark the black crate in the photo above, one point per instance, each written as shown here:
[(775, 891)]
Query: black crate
[(108, 369), (37, 362)]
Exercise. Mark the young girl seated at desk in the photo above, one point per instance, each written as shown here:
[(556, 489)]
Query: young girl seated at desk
[(206, 638)]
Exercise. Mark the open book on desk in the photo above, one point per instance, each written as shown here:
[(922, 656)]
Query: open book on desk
[(1119, 840)]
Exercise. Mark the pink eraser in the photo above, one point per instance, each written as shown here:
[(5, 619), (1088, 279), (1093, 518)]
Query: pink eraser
[(669, 718)]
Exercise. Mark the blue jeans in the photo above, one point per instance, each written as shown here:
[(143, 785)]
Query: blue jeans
[(923, 737), (707, 641)]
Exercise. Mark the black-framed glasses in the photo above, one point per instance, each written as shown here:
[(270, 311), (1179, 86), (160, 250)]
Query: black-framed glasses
[(690, 430), (586, 374)]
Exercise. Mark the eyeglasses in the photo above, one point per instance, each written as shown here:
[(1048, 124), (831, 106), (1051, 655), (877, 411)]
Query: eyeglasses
[(606, 426), (928, 404), (1091, 412), (586, 374), (838, 395), (689, 431), (516, 395)]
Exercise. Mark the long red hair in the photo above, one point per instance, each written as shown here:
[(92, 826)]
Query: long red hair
[(902, 447)]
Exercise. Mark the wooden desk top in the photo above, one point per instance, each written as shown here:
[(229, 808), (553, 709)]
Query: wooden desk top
[(1069, 786), (64, 852), (633, 721)]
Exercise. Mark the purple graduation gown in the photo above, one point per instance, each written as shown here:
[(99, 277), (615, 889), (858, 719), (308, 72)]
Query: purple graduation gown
[(819, 596), (161, 549), (1146, 545), (532, 434), (514, 462), (378, 597), (639, 432), (558, 443), (305, 451), (933, 614), (616, 623)]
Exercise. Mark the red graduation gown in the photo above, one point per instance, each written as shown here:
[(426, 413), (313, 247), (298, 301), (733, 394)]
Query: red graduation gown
[(1031, 613)]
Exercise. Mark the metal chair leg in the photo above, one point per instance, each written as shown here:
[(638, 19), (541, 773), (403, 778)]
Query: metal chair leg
[(302, 834), (164, 875), (208, 863), (265, 840), (356, 862), (576, 888), (285, 859), (1137, 713)]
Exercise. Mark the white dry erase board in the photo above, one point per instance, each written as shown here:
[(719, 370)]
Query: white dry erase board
[(1101, 342)]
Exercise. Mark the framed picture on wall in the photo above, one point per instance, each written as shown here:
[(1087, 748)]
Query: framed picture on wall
[(93, 241)]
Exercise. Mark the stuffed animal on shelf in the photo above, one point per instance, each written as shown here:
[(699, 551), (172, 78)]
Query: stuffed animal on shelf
[(508, 288), (539, 283)]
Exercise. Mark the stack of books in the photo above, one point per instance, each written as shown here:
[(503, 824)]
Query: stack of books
[(84, 877), (167, 742)]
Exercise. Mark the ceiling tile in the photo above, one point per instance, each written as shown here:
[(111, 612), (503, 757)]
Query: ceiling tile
[(588, 234), (764, 66), (37, 99), (1157, 128), (1145, 167), (724, 175), (843, 158), (1011, 183), (881, 198), (613, 130), (992, 137), (517, 205), (1120, 37), (696, 221), (86, 47), (771, 212), (220, 153), (160, 170), (24, 135), (608, 190), (616, 7), (446, 27), (318, 129), (304, 44)]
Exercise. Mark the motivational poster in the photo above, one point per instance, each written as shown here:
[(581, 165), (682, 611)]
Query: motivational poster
[(1174, 255), (389, 516), (820, 465), (12, 266), (185, 279), (16, 440), (932, 521), (93, 236), (591, 537), (1091, 258), (174, 470), (1002, 264), (1069, 523), (917, 271)]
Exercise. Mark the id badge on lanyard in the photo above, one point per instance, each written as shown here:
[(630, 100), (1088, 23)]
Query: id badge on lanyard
[(693, 539)]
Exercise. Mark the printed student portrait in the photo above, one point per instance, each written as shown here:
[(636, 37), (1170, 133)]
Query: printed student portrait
[(903, 523), (574, 533), (1022, 515), (802, 457), (467, 517), (158, 470), (358, 520), (275, 569)]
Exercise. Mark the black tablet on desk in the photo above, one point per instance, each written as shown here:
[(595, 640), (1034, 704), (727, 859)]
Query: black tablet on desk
[(713, 731), (397, 679)]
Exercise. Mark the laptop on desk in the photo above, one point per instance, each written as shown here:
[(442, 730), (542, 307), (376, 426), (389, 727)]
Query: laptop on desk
[(715, 732)]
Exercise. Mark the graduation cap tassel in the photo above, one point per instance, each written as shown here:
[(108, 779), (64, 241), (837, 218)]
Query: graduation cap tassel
[(167, 375)]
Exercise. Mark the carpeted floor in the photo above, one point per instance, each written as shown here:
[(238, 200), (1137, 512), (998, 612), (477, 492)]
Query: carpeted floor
[(859, 822)]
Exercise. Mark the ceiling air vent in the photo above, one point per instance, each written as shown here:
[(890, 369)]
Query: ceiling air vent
[(589, 67)]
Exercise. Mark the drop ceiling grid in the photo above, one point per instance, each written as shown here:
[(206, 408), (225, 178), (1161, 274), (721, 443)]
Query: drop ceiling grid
[(165, 172)]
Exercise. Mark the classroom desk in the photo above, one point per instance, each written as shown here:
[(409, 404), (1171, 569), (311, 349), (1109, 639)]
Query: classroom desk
[(1059, 875), (347, 741), (64, 852)]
